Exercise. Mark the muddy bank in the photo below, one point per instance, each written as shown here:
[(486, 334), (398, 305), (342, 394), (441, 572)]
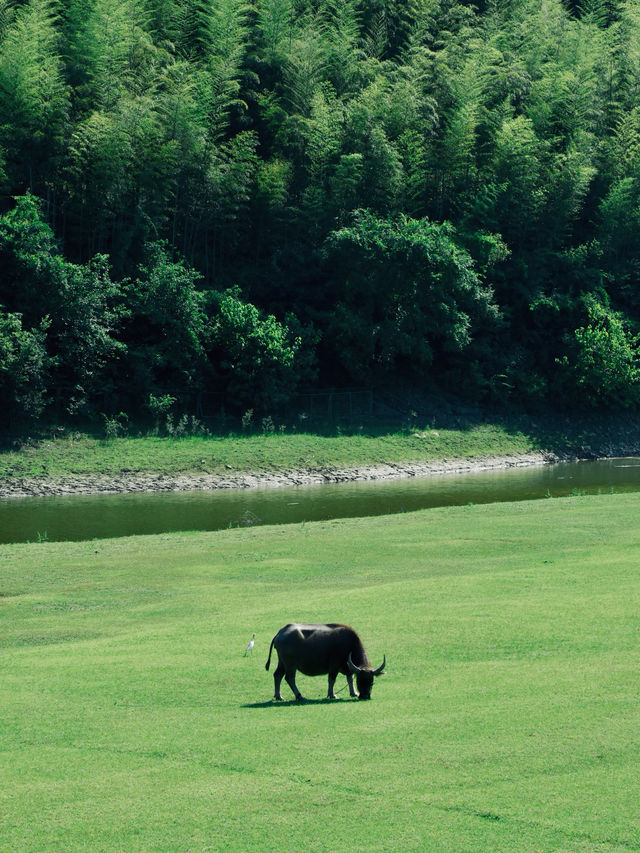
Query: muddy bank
[(149, 482)]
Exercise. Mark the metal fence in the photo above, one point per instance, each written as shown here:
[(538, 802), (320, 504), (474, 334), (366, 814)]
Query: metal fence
[(333, 405), (314, 406)]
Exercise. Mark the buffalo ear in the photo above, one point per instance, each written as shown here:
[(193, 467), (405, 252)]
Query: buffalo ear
[(380, 669)]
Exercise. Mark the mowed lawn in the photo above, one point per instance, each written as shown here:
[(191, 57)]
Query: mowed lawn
[(508, 719)]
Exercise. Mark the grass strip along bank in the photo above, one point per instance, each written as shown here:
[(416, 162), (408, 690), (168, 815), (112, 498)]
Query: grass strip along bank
[(83, 455), (507, 719)]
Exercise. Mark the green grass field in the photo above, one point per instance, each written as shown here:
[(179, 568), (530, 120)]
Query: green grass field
[(508, 720), (84, 455)]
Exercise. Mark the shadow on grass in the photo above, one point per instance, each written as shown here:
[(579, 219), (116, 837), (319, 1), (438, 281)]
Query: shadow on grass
[(292, 703)]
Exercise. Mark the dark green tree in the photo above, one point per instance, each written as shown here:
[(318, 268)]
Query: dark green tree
[(409, 300), (78, 305), (166, 331)]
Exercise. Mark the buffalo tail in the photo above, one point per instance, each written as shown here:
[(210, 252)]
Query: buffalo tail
[(266, 666)]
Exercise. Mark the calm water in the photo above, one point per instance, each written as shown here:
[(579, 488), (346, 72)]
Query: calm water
[(99, 516)]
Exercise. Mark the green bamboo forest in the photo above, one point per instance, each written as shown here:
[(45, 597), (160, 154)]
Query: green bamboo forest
[(251, 198)]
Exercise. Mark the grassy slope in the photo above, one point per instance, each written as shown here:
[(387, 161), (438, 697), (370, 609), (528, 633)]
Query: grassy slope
[(259, 453), (507, 721)]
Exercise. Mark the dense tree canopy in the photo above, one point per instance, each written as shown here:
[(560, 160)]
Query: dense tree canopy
[(215, 195)]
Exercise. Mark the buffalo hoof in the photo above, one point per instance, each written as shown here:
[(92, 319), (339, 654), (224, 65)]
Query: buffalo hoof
[(278, 699), (300, 698)]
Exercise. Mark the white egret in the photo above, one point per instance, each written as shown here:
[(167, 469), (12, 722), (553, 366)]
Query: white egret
[(250, 645)]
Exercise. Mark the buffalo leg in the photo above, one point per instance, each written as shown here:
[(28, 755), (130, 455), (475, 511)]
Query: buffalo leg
[(332, 680), (290, 678), (352, 690), (277, 680)]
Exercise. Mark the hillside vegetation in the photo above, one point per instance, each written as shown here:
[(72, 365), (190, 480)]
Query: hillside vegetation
[(242, 198)]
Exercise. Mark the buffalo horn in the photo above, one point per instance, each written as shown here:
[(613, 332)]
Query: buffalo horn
[(380, 669), (354, 669)]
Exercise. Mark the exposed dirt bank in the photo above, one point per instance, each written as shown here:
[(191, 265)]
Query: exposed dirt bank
[(133, 482)]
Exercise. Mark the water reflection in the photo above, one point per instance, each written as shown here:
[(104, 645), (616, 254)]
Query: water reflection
[(99, 516)]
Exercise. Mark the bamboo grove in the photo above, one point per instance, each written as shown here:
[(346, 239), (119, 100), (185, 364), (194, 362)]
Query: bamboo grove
[(213, 195)]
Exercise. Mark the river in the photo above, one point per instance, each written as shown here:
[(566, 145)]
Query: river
[(100, 516)]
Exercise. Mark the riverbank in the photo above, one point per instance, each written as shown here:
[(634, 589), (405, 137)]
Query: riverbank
[(149, 482), (80, 464)]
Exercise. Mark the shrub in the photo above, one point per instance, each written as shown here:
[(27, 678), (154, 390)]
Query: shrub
[(260, 359), (23, 368), (602, 366)]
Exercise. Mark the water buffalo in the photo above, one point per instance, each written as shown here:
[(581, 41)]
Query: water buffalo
[(322, 650)]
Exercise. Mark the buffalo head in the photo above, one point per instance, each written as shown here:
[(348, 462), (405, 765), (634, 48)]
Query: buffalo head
[(364, 676)]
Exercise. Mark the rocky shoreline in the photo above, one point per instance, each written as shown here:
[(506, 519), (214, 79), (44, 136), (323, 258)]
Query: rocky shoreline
[(128, 482)]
